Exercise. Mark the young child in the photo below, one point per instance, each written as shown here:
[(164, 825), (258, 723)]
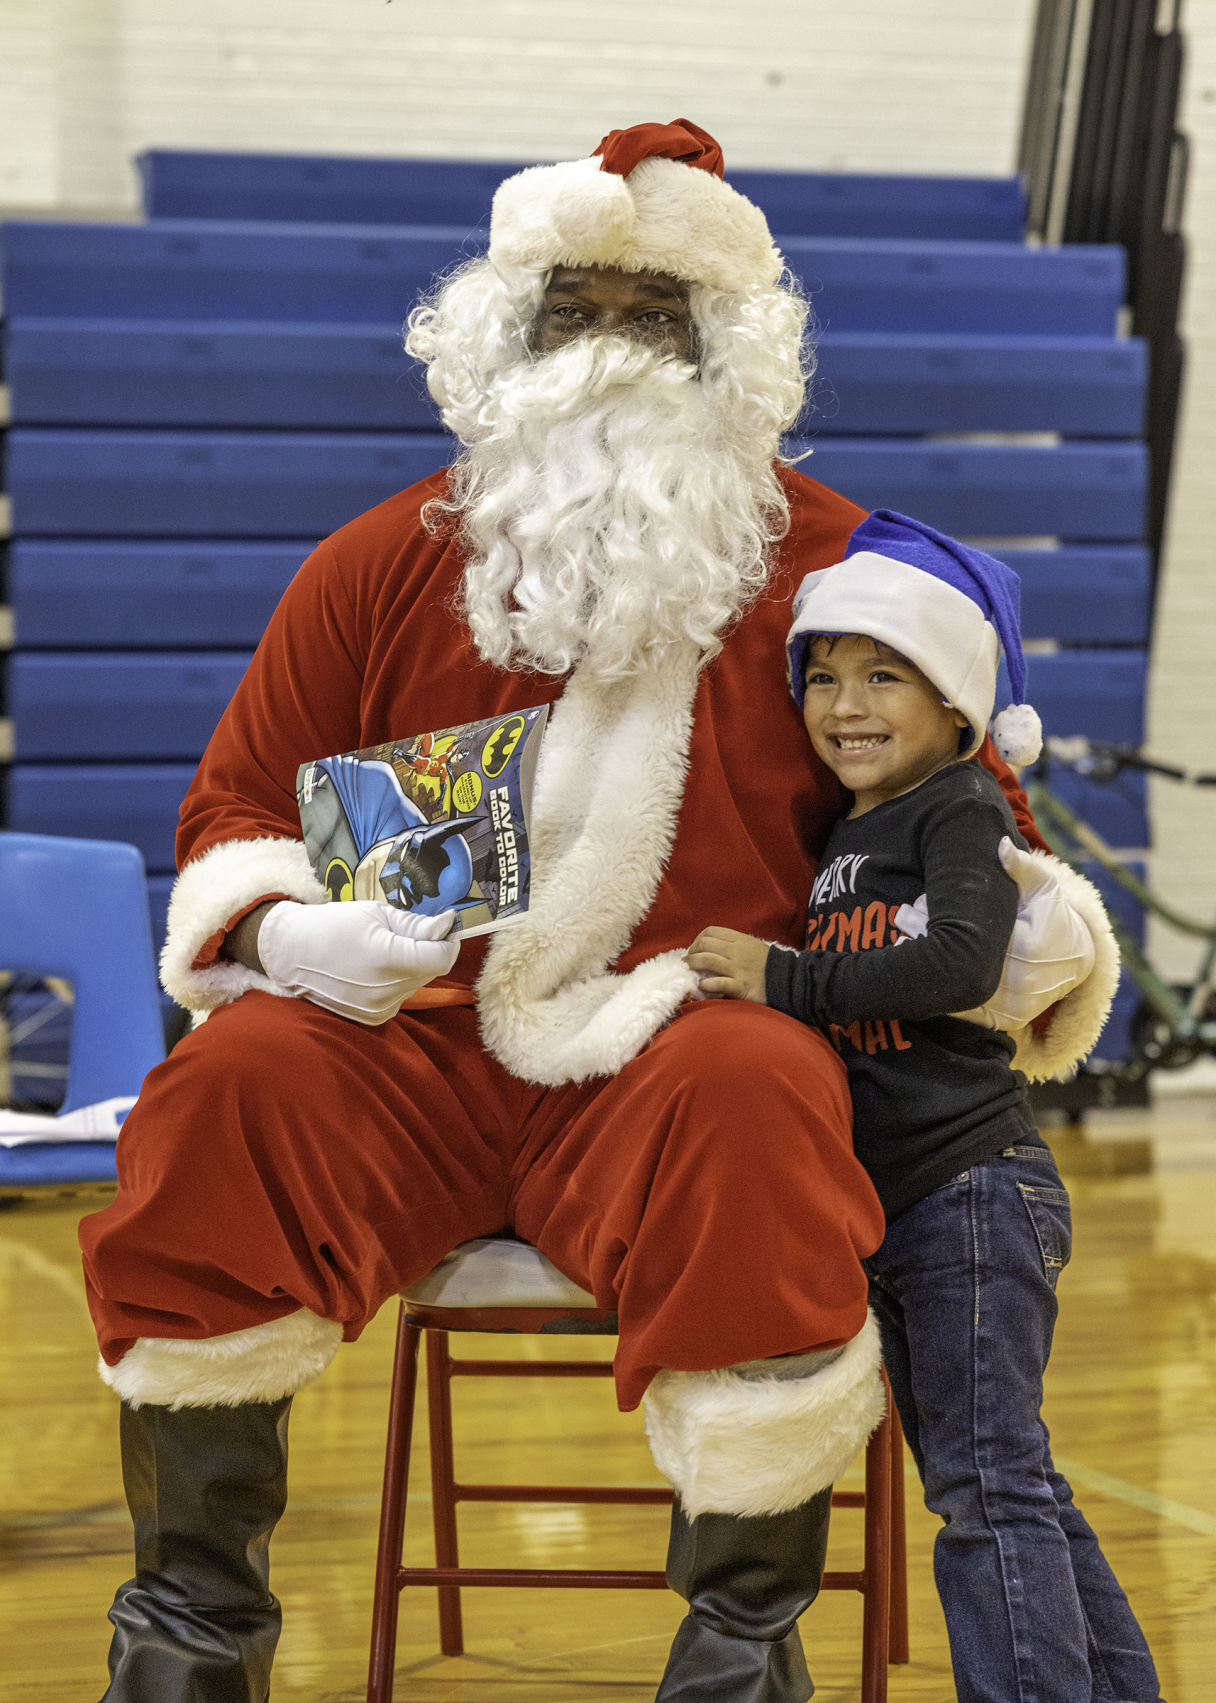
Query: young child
[(892, 659)]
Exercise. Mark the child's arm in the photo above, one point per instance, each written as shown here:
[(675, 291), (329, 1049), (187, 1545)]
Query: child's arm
[(1012, 788), (730, 965), (954, 966)]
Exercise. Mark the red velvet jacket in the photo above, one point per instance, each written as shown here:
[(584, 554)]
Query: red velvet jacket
[(367, 646)]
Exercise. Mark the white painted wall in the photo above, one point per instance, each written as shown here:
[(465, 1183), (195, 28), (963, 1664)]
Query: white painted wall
[(905, 85), (873, 85), (29, 155)]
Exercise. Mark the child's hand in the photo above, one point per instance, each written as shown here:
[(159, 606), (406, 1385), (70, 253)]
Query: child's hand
[(729, 964)]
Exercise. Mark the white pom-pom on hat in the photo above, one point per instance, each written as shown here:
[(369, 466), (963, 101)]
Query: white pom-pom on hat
[(1017, 734), (592, 212)]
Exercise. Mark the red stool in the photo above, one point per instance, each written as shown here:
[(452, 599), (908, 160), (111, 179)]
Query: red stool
[(502, 1285)]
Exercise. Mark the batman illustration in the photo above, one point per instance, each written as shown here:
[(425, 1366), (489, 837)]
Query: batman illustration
[(397, 854)]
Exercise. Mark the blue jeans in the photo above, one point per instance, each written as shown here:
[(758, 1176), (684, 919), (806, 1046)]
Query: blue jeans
[(964, 1290)]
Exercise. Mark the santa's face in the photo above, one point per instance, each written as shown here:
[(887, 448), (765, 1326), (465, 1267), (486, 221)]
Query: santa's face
[(617, 496), (592, 301)]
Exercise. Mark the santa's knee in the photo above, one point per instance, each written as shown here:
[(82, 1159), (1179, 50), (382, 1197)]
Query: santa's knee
[(237, 1084), (733, 1054), (262, 1045), (765, 1437), (262, 1363), (757, 1095)]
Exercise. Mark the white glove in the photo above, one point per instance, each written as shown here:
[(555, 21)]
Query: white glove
[(1051, 951), (359, 958), (912, 920)]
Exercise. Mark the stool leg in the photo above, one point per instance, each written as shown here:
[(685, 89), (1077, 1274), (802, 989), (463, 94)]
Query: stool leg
[(443, 1486), (386, 1600), (876, 1615), (899, 1650)]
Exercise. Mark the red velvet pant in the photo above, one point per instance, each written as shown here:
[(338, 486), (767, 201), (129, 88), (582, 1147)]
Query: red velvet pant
[(285, 1158)]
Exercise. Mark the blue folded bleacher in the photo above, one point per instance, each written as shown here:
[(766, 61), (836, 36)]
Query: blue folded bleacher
[(96, 800), (135, 594), (76, 484), (107, 705), (859, 204), (222, 271), (159, 888), (118, 372), (147, 372), (1085, 594), (274, 484), (204, 185), (886, 383), (1118, 812), (293, 188), (351, 274), (104, 801), (1097, 692), (161, 705), (1075, 490), (971, 288), (101, 593)]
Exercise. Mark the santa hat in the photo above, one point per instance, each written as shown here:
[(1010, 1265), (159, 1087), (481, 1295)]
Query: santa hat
[(649, 199), (949, 609)]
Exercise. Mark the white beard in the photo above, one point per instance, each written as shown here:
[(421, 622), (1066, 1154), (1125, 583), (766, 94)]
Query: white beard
[(612, 508)]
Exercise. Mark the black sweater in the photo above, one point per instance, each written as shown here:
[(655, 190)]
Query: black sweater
[(932, 1094)]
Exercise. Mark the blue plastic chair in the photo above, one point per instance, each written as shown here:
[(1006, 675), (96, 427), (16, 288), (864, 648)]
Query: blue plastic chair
[(78, 909)]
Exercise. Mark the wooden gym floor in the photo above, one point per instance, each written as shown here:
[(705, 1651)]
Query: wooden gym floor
[(1131, 1404)]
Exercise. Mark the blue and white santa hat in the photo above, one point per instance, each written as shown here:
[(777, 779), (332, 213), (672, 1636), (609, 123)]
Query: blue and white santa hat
[(948, 608)]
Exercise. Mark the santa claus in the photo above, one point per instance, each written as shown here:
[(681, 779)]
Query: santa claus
[(619, 538)]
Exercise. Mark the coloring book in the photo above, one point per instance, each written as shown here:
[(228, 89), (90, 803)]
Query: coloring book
[(432, 822)]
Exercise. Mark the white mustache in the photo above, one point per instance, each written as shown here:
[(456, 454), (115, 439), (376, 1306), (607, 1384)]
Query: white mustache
[(561, 384)]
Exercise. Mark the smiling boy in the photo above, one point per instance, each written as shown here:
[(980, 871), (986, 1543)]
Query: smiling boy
[(931, 1093), (892, 659), (875, 719)]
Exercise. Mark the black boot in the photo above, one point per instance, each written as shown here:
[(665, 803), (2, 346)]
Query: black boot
[(206, 1486), (746, 1581)]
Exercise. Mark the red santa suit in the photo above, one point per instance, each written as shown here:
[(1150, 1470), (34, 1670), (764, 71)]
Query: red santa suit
[(689, 1162)]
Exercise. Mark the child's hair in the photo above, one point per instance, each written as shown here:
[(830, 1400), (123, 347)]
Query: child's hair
[(880, 645)]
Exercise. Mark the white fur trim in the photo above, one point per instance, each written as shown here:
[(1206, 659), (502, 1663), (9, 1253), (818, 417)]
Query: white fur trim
[(732, 1445), (262, 1363), (608, 790), (1079, 1018), (210, 890), (664, 217)]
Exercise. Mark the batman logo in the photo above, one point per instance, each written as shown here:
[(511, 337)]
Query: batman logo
[(339, 882), (499, 747)]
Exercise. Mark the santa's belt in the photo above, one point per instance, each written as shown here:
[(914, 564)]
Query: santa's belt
[(428, 997)]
